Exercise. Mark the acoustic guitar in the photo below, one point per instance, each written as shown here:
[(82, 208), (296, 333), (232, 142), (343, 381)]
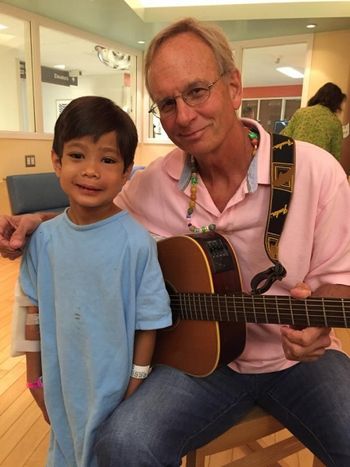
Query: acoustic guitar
[(210, 311)]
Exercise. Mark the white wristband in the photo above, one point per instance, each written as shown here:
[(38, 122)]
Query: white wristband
[(140, 372)]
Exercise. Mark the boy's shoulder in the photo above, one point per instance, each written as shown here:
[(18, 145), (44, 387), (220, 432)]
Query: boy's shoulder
[(49, 225), (133, 227)]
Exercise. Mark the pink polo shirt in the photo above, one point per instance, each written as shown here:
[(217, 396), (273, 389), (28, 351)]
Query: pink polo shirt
[(314, 247)]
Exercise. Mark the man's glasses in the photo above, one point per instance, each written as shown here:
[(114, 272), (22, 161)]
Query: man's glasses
[(194, 95)]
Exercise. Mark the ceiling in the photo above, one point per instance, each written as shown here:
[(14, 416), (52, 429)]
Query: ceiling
[(117, 21)]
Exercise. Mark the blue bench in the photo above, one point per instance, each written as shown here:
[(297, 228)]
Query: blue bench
[(39, 192), (35, 193)]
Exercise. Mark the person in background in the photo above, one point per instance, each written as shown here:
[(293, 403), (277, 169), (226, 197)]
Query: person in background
[(319, 123), (218, 179), (94, 283)]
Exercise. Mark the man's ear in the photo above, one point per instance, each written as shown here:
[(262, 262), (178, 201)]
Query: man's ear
[(235, 87), (56, 163)]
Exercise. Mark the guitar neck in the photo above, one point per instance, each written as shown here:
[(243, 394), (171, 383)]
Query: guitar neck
[(262, 309)]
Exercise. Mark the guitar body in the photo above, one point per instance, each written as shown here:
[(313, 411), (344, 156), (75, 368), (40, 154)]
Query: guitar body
[(202, 263)]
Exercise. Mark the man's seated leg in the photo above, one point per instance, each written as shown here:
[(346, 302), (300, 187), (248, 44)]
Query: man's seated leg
[(169, 415)]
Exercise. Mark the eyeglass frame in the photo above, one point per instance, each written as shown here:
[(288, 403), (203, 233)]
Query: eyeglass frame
[(155, 110)]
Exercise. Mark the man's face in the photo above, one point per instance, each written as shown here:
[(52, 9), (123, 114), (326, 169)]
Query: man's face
[(184, 62)]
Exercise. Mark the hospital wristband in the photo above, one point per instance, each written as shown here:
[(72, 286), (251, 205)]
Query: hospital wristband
[(140, 372), (37, 384)]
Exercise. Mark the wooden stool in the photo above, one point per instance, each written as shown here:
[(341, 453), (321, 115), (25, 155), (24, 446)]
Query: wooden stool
[(246, 433)]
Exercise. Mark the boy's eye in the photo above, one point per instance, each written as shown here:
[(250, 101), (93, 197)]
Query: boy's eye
[(109, 160), (75, 155)]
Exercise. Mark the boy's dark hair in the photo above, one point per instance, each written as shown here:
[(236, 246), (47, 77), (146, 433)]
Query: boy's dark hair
[(94, 116), (330, 95)]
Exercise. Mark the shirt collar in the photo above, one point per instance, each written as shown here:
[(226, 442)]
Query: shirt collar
[(252, 175)]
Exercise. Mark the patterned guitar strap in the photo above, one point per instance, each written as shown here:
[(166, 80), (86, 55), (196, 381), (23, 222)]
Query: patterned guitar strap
[(282, 175)]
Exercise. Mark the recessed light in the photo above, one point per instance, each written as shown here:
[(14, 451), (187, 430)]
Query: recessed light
[(289, 71), (140, 42), (311, 26)]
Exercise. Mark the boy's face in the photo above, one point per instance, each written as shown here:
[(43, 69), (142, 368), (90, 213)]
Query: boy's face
[(91, 174)]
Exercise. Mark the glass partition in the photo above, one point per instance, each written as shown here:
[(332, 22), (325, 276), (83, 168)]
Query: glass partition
[(16, 90), (72, 67)]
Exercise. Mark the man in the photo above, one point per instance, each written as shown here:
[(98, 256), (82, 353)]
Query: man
[(218, 178)]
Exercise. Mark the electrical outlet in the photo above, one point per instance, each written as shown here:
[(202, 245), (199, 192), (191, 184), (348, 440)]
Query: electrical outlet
[(29, 160)]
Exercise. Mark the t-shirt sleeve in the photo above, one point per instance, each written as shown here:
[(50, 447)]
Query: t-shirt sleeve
[(28, 270), (152, 302)]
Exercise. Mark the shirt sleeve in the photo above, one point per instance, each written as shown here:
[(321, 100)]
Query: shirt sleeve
[(331, 250), (152, 302), (337, 141)]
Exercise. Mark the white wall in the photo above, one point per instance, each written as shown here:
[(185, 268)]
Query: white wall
[(108, 85)]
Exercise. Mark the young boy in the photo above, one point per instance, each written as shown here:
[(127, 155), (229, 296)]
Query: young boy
[(95, 283)]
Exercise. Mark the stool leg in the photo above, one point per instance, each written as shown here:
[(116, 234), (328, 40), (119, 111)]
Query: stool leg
[(317, 462), (195, 459)]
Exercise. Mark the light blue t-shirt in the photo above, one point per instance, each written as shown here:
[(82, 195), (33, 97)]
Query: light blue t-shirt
[(94, 285)]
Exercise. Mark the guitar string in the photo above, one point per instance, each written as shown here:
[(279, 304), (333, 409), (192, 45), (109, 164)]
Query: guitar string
[(312, 308)]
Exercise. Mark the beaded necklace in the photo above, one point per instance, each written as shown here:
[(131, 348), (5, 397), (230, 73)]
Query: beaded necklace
[(254, 141)]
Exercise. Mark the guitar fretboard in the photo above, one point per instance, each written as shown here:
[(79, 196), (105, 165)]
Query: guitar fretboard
[(263, 309)]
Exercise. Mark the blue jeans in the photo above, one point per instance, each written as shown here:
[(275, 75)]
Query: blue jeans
[(173, 413)]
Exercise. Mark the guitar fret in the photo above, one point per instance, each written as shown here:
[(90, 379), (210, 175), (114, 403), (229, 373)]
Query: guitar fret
[(254, 313), (195, 306), (189, 305), (307, 314), (235, 310), (211, 306), (219, 308), (186, 306), (265, 311), (206, 309), (324, 313), (202, 299), (226, 306), (278, 311), (291, 310), (344, 314), (244, 312)]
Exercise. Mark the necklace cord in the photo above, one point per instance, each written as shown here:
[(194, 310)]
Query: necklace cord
[(253, 136)]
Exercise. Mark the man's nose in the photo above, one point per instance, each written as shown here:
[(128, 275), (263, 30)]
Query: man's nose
[(184, 112)]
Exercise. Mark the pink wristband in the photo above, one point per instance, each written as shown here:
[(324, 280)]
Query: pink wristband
[(38, 383)]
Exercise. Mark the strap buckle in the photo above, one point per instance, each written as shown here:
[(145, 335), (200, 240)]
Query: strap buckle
[(268, 277)]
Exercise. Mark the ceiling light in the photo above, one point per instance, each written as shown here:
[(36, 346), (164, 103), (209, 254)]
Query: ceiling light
[(289, 71), (60, 67), (113, 59), (311, 26), (140, 42), (2, 26)]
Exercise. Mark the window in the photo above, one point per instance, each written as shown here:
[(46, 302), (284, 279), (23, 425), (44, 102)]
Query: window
[(269, 111), (72, 67), (16, 90)]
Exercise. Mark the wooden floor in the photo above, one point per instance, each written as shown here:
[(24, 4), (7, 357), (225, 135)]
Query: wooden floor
[(23, 432)]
